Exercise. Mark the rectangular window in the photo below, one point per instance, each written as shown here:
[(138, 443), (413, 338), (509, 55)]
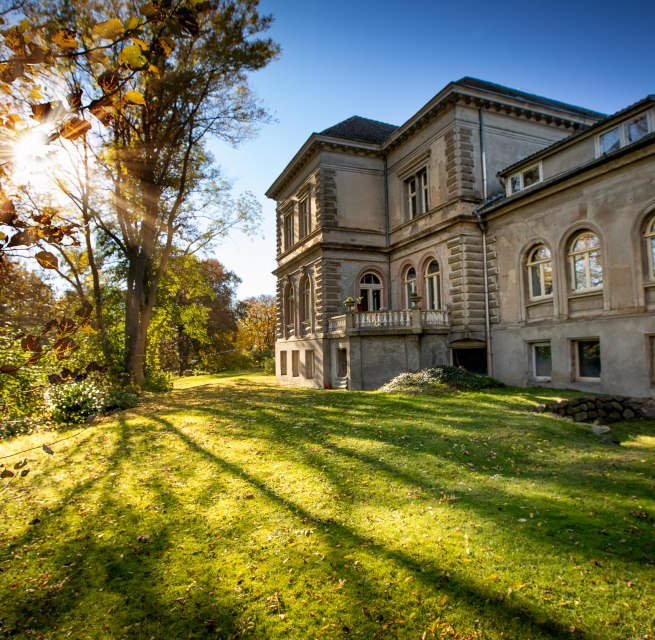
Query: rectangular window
[(587, 357), (417, 190), (295, 363), (309, 364), (542, 362), (304, 217), (288, 230), (283, 363), (651, 354), (626, 133), (525, 178), (636, 129), (610, 141)]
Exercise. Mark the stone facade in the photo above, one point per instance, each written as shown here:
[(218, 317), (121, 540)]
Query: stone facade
[(452, 206)]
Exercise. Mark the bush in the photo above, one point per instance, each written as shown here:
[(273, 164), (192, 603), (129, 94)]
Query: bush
[(118, 399), (158, 381), (269, 365), (73, 403), (463, 380), (439, 380)]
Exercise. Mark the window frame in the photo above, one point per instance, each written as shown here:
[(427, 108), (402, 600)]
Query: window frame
[(304, 217), (410, 286), (576, 356), (623, 129), (520, 177), (417, 192), (295, 363), (283, 363), (310, 364), (288, 229), (649, 238), (367, 291), (539, 266), (289, 310), (305, 304), (533, 357), (574, 255), (429, 282)]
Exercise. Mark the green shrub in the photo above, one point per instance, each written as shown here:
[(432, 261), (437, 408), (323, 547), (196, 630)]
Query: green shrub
[(73, 403), (118, 399), (158, 381), (461, 379), (439, 380), (269, 365)]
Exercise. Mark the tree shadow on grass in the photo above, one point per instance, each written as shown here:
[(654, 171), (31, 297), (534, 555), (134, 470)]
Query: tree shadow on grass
[(500, 613)]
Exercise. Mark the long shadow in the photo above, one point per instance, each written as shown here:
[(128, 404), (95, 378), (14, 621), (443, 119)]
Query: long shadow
[(499, 614), (562, 519)]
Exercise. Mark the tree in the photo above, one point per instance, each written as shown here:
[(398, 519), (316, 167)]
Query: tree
[(256, 325), (195, 316), (170, 78)]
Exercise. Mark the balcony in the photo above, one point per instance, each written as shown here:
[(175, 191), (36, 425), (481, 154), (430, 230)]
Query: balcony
[(406, 321)]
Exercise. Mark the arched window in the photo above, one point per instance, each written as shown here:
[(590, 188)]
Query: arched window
[(410, 286), (649, 236), (289, 311), (585, 262), (305, 305), (370, 291), (433, 285), (540, 272)]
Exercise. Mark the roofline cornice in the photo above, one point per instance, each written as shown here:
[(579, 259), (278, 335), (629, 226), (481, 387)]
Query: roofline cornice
[(314, 145)]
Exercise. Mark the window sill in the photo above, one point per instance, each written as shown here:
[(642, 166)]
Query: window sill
[(535, 302), (586, 293)]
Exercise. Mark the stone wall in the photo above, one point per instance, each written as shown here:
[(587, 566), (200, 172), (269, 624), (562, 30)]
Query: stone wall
[(601, 409)]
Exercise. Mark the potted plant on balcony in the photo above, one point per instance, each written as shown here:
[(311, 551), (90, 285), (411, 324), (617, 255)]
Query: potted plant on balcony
[(415, 299), (359, 303), (350, 303)]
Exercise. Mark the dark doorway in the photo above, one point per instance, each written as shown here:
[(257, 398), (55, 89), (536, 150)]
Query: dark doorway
[(473, 360)]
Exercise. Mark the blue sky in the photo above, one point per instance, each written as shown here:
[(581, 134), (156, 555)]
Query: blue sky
[(385, 60)]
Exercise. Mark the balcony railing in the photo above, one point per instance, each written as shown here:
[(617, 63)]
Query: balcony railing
[(388, 320)]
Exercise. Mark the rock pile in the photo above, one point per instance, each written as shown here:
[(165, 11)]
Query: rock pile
[(601, 409)]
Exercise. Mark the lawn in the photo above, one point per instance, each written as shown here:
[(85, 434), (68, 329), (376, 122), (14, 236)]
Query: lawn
[(236, 508)]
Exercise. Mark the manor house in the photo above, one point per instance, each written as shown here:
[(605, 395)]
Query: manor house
[(497, 230)]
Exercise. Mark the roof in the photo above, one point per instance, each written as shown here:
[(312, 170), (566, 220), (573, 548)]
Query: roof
[(492, 87), (361, 129), (574, 136)]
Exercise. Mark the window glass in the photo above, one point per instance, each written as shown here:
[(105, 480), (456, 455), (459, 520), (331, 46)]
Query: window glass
[(588, 352), (540, 271), (410, 286), (649, 234), (433, 285), (370, 291), (515, 183), (542, 359), (637, 129), (586, 262), (530, 176), (610, 141)]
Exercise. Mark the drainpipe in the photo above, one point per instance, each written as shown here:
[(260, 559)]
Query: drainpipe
[(483, 230), (386, 232)]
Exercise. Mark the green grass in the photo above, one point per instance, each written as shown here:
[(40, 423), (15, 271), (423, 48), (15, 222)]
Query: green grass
[(236, 508)]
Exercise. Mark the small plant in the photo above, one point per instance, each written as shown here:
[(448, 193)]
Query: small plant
[(73, 403), (158, 381)]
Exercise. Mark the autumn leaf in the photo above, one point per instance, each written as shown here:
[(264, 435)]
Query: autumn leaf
[(21, 464), (66, 326), (132, 23), (11, 70), (134, 97), (64, 347), (74, 129), (31, 343), (14, 40), (108, 81), (6, 473), (109, 29), (163, 46), (132, 57), (41, 112), (47, 449), (85, 310), (65, 39), (46, 259)]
